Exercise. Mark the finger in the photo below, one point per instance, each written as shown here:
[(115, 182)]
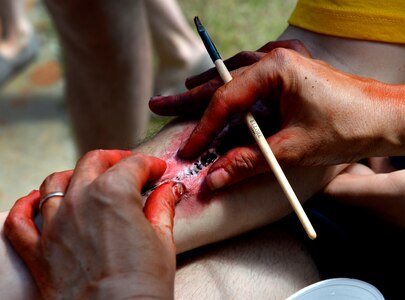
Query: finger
[(237, 96), (94, 163), (236, 165), (247, 58), (239, 60), (56, 182), (293, 44), (190, 101), (159, 210), (128, 177), (22, 232), (355, 185), (381, 193)]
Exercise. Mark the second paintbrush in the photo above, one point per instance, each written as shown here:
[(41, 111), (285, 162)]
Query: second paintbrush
[(257, 134)]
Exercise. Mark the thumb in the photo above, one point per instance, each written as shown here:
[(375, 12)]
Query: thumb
[(244, 162), (159, 210), (236, 165)]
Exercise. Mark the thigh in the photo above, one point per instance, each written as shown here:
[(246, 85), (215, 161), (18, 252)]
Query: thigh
[(269, 263)]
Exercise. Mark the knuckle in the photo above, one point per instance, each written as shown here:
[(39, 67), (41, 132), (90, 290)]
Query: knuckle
[(92, 155), (281, 55), (105, 191), (295, 158), (297, 44), (13, 223), (50, 178), (219, 99), (213, 84), (243, 162), (247, 56), (292, 155)]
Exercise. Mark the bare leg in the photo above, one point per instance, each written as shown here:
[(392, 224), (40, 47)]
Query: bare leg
[(270, 263), (218, 216), (14, 27), (203, 217), (179, 49), (108, 66), (223, 215)]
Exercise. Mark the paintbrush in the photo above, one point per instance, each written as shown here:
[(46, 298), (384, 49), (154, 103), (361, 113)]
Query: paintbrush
[(258, 135)]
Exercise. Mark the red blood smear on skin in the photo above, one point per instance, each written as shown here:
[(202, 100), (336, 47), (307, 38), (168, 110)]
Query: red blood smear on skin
[(196, 195)]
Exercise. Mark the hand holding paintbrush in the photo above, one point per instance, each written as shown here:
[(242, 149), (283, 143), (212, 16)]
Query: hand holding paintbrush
[(258, 136)]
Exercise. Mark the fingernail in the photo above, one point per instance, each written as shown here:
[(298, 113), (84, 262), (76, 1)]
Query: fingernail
[(218, 179), (178, 190)]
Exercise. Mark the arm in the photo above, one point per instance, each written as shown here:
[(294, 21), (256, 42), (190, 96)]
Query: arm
[(198, 220), (325, 116), (379, 191), (203, 217)]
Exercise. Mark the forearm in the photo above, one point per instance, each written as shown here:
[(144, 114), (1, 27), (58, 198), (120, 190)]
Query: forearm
[(203, 217), (392, 119)]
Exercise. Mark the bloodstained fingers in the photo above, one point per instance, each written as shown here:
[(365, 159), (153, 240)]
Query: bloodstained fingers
[(188, 102), (22, 232), (159, 210), (93, 164)]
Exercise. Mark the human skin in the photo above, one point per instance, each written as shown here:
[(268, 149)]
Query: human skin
[(202, 275), (219, 216), (123, 249), (108, 52), (379, 191), (326, 116), (14, 27), (107, 55), (177, 46)]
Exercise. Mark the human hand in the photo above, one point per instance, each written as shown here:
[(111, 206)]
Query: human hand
[(203, 86), (381, 193), (98, 240), (245, 58), (327, 117)]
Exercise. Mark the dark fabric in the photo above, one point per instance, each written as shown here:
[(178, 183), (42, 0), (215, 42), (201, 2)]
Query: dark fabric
[(354, 244), (398, 162)]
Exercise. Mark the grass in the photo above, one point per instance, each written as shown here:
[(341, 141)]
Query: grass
[(237, 25)]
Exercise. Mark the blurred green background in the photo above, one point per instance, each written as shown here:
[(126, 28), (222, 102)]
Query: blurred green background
[(35, 135), (236, 25)]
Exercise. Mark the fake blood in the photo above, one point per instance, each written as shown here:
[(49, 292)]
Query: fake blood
[(191, 173)]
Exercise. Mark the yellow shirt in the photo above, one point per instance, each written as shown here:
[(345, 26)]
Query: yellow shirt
[(374, 20)]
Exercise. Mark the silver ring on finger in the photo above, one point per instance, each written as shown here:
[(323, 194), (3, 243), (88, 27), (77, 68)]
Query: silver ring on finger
[(50, 195)]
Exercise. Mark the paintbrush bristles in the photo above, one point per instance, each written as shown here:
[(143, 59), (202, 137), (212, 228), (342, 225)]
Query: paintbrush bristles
[(208, 43), (198, 24)]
